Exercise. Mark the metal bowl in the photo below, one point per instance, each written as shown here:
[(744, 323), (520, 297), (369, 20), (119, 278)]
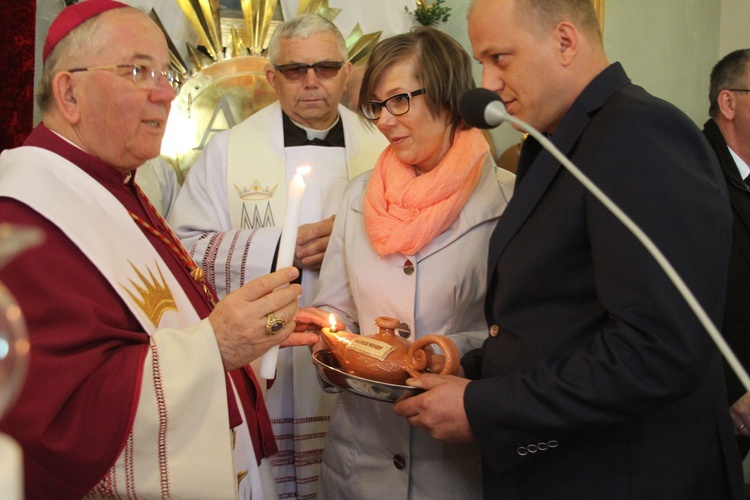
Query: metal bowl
[(330, 371)]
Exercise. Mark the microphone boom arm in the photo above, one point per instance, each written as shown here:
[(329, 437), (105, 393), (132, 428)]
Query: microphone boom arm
[(678, 282)]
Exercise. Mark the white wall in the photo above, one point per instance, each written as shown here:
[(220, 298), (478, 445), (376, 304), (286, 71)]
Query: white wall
[(666, 46), (734, 34)]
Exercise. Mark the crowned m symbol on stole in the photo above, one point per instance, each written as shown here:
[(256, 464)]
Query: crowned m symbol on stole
[(256, 194), (256, 221)]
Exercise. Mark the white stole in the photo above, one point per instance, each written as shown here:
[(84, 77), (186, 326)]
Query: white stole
[(66, 195), (113, 242)]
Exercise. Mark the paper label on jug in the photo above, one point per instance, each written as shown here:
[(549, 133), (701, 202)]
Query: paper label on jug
[(370, 347)]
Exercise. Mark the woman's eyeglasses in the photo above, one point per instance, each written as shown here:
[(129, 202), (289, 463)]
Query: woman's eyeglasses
[(298, 71), (143, 76), (397, 105)]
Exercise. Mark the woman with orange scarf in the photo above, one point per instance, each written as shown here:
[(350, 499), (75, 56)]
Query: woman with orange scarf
[(410, 241)]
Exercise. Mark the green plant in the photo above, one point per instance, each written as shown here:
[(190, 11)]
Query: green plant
[(430, 15)]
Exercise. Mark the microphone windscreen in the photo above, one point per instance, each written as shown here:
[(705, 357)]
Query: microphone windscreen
[(472, 105)]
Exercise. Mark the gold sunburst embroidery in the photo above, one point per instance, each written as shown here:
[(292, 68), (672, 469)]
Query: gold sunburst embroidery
[(154, 296)]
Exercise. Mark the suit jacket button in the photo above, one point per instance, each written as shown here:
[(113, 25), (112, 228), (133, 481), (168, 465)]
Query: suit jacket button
[(494, 330), (399, 461), (532, 448), (552, 443), (522, 451), (408, 268)]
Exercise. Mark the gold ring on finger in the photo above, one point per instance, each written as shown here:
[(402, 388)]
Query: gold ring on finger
[(274, 324)]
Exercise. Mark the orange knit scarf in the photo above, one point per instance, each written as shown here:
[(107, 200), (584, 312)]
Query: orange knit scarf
[(404, 212)]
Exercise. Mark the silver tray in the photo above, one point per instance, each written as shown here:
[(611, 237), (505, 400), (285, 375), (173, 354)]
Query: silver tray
[(330, 371)]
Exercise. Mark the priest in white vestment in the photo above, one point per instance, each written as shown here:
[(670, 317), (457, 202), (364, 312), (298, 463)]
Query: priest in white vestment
[(230, 211)]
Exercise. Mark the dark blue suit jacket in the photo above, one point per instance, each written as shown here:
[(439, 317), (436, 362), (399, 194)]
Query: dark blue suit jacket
[(736, 327), (601, 382)]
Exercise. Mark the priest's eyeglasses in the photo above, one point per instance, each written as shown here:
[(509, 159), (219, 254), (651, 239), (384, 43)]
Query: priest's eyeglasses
[(744, 91), (397, 105), (298, 71), (143, 76)]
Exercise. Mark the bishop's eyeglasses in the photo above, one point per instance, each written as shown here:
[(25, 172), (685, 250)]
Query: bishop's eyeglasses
[(143, 76), (397, 105)]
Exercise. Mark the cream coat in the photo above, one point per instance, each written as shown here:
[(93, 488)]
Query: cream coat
[(444, 295)]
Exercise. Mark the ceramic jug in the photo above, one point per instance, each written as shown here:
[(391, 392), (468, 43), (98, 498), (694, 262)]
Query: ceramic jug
[(385, 356)]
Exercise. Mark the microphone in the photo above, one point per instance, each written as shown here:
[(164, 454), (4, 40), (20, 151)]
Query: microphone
[(483, 108)]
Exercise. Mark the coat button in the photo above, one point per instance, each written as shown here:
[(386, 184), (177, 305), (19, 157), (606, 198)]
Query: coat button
[(404, 330), (408, 268), (399, 461), (522, 451), (494, 330)]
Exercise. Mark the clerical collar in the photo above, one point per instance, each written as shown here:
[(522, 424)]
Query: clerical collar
[(742, 167), (298, 135)]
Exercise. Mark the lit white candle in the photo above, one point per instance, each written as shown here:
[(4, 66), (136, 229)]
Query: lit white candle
[(11, 473), (287, 247)]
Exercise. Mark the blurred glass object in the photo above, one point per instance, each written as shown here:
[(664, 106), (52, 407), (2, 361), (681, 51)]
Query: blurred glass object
[(14, 342)]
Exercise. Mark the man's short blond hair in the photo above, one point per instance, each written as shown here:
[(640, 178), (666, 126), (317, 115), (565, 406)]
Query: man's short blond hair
[(543, 15)]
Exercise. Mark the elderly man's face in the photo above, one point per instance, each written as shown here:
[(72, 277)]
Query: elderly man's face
[(311, 101), (120, 121)]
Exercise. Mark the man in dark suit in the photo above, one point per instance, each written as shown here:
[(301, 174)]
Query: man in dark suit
[(596, 379), (728, 132)]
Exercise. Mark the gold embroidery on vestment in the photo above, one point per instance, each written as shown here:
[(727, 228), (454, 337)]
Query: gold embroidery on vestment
[(155, 296), (255, 192)]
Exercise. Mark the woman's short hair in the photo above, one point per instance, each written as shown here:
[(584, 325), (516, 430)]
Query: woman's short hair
[(303, 26), (440, 63)]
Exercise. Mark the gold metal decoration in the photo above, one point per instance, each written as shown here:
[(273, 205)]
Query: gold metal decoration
[(319, 7), (224, 78)]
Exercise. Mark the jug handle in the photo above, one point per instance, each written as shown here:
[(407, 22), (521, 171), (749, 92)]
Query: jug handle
[(419, 356)]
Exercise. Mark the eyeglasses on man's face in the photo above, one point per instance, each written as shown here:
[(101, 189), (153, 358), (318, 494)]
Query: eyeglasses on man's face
[(298, 71), (143, 76), (741, 91), (397, 105)]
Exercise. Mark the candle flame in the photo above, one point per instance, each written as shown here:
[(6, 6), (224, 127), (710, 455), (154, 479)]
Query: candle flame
[(332, 321), (303, 170)]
